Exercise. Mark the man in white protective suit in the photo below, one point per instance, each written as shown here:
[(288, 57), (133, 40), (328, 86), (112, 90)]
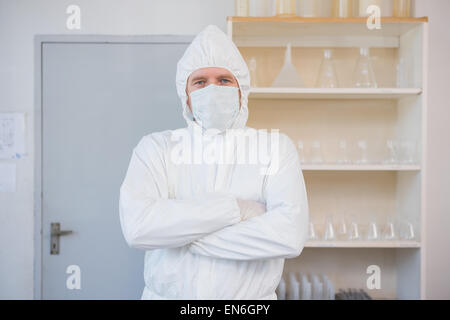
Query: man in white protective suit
[(214, 229)]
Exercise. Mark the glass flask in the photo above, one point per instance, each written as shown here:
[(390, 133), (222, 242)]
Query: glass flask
[(407, 232), (342, 231), (342, 157), (402, 8), (316, 152), (301, 151), (342, 8), (327, 73), (364, 4), (242, 8), (285, 8), (363, 75), (363, 156), (353, 232), (408, 151), (308, 8)]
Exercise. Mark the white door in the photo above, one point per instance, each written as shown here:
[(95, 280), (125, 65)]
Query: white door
[(98, 99)]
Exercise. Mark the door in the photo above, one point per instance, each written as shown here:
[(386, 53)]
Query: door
[(98, 100)]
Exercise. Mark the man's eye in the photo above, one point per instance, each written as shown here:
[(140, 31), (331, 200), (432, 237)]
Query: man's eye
[(200, 82), (225, 81)]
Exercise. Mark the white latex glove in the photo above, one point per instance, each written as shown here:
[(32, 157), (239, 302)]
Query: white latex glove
[(250, 208)]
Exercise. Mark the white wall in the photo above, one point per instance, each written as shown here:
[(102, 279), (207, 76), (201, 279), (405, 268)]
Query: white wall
[(438, 167), (20, 20)]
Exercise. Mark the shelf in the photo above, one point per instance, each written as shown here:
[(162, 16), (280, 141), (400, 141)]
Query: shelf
[(337, 93), (362, 244), (359, 167), (319, 32)]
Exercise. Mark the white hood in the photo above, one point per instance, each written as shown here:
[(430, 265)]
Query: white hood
[(212, 48)]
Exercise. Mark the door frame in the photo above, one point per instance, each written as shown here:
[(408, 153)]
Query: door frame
[(39, 41)]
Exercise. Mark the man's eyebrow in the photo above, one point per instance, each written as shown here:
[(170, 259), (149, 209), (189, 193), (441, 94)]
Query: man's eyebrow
[(197, 78)]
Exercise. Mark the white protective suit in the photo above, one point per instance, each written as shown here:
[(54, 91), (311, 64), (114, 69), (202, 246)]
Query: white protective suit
[(187, 217)]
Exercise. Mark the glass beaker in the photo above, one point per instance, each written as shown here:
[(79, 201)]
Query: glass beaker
[(364, 4), (242, 8), (301, 151), (372, 232), (342, 232), (342, 157), (316, 152), (392, 146), (363, 76), (285, 8), (363, 155), (402, 8), (327, 73), (329, 234), (389, 230), (407, 231), (342, 8), (308, 8), (312, 232)]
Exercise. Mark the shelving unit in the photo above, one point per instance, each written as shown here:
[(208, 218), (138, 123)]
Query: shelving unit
[(375, 190)]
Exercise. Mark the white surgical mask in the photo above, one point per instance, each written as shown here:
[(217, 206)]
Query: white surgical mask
[(215, 106)]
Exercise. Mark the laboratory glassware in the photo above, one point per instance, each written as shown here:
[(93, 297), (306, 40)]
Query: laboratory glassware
[(329, 234), (342, 157), (312, 232), (316, 152), (402, 8), (389, 232), (362, 152), (281, 290), (327, 72), (242, 8), (308, 8), (301, 151), (372, 232), (317, 287), (293, 291), (342, 8), (342, 230), (392, 146), (288, 76), (408, 148), (364, 4), (306, 288), (363, 75), (285, 8), (353, 232), (407, 232)]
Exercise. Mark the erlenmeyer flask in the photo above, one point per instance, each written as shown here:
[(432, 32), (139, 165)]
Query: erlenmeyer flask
[(301, 151), (364, 77), (354, 231), (316, 152), (288, 76), (342, 157), (327, 73), (342, 229)]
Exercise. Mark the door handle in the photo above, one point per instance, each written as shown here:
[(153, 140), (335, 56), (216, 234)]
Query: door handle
[(55, 233)]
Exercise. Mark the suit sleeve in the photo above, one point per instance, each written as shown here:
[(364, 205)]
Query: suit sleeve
[(150, 220), (281, 232)]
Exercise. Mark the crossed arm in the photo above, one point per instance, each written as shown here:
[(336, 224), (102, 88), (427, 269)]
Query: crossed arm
[(210, 224)]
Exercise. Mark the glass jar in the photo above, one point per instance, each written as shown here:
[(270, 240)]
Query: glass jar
[(402, 8), (242, 8), (285, 8), (342, 8)]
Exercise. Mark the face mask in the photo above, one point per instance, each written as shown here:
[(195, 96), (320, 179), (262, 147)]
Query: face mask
[(215, 106)]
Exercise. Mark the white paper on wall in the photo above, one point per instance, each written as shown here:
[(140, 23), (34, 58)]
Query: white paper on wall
[(7, 177), (12, 135)]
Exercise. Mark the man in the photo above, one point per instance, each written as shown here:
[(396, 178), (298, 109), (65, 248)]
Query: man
[(212, 230)]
